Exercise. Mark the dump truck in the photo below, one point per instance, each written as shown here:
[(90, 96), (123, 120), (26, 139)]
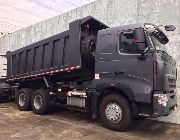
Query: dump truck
[(115, 74)]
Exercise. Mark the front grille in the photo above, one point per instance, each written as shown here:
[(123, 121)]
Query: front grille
[(172, 83)]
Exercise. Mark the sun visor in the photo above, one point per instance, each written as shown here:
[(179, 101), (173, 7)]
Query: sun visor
[(160, 36), (92, 22)]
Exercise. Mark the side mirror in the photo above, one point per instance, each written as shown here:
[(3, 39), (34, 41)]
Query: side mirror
[(170, 27), (140, 39)]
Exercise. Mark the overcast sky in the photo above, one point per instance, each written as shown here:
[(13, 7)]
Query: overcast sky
[(16, 14)]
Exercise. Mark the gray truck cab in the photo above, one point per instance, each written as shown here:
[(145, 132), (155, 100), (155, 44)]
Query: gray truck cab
[(133, 59)]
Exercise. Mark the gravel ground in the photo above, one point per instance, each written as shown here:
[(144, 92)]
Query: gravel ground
[(62, 124)]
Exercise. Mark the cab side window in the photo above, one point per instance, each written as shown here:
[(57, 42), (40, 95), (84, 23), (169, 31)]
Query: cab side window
[(107, 44), (127, 43)]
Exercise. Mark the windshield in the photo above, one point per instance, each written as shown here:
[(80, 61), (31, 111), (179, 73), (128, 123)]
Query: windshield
[(158, 46)]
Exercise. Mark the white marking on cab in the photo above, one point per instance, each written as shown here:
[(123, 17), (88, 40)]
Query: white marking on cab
[(97, 76)]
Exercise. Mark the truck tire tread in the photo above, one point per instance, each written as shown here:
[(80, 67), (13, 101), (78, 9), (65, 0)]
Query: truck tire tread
[(125, 122), (28, 94), (45, 101)]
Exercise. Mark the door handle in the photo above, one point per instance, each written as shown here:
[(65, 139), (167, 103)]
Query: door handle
[(119, 73), (100, 59)]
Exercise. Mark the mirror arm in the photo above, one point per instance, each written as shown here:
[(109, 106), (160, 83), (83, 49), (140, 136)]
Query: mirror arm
[(151, 50), (142, 56)]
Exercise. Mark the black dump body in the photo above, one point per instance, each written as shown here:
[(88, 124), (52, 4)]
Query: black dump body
[(56, 54)]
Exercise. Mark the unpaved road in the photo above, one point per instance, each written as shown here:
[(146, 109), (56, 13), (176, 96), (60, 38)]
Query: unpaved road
[(67, 125)]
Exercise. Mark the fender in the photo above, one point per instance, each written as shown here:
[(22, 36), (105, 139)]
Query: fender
[(118, 88), (99, 91)]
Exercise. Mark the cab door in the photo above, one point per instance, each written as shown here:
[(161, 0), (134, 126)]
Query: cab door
[(105, 54), (131, 69)]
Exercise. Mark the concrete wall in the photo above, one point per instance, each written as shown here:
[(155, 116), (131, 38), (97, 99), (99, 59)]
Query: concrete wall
[(113, 13), (2, 66)]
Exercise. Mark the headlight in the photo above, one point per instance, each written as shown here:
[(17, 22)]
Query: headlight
[(162, 99)]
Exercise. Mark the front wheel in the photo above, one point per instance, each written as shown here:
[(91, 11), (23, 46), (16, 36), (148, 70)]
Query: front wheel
[(115, 112)]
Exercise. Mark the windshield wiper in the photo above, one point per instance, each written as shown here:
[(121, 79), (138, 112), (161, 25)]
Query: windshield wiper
[(163, 52)]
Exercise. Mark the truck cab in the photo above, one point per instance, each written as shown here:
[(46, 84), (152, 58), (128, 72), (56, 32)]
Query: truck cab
[(132, 60)]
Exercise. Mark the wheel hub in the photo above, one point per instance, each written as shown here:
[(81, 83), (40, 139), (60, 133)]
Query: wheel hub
[(37, 101), (22, 99), (113, 112)]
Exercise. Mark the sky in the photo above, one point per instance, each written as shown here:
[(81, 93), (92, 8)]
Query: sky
[(17, 14)]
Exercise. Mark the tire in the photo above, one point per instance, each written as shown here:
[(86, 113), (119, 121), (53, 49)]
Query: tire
[(23, 99), (88, 47), (40, 101), (115, 121)]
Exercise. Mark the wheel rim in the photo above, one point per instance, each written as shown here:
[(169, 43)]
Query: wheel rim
[(38, 101), (113, 112), (22, 99)]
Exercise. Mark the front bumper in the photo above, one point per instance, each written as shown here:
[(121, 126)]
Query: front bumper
[(164, 104)]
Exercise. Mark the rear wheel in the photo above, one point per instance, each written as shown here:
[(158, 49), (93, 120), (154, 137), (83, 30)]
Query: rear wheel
[(40, 101), (23, 99), (115, 112)]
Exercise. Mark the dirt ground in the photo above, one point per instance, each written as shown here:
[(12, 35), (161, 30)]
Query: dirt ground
[(62, 124)]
